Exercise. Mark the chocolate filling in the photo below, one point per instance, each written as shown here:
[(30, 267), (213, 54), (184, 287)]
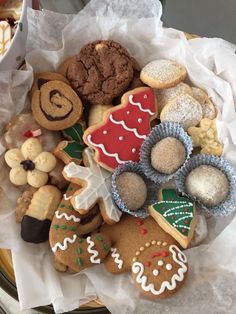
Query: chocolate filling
[(41, 82), (53, 118), (28, 165), (34, 230), (85, 219)]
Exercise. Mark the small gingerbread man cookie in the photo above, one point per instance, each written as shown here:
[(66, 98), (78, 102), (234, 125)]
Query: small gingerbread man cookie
[(205, 136)]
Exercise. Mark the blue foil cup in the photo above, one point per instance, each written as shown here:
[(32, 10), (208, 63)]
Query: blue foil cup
[(226, 207), (159, 132), (152, 189)]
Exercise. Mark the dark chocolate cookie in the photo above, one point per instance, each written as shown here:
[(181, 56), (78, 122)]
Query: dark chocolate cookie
[(101, 71)]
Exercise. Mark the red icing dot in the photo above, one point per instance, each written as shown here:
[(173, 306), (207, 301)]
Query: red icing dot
[(28, 134), (186, 209), (148, 264), (143, 231), (156, 254), (163, 208), (186, 222), (165, 254), (183, 230), (139, 222)]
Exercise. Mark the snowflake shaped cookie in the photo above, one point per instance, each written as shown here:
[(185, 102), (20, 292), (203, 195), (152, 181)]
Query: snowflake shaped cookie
[(96, 187)]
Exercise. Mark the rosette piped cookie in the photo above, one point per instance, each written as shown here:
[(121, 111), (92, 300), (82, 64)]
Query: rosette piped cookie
[(56, 106)]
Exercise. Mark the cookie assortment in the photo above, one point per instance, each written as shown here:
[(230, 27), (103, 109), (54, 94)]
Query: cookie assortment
[(94, 158)]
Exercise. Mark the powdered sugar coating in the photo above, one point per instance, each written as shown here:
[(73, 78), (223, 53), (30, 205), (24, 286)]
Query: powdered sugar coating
[(208, 108), (183, 109)]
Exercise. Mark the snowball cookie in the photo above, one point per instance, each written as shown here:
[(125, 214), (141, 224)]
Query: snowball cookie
[(168, 155), (132, 190), (208, 184)]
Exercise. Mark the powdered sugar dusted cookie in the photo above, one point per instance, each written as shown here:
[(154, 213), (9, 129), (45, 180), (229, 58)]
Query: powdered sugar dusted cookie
[(208, 108), (96, 183), (183, 109), (118, 138), (163, 73)]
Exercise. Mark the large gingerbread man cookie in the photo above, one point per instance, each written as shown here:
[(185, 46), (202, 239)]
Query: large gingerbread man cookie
[(158, 266)]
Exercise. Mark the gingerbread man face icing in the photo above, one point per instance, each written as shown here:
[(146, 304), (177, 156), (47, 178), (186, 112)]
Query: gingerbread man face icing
[(159, 272), (96, 183), (118, 138)]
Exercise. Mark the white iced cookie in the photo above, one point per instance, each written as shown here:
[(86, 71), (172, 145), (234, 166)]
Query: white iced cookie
[(163, 73)]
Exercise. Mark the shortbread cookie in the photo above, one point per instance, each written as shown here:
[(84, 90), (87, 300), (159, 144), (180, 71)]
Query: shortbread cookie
[(56, 106), (43, 77), (183, 109), (207, 184), (5, 37), (69, 248), (101, 71), (151, 254), (63, 67), (96, 113), (37, 219), (55, 176), (126, 125), (96, 183), (30, 164), (165, 95), (23, 203), (71, 150), (206, 137), (163, 73), (175, 215), (208, 109), (200, 232), (24, 126)]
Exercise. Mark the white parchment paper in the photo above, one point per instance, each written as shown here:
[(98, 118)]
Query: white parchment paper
[(211, 64)]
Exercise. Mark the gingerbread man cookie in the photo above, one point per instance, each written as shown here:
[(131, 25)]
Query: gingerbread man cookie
[(65, 237), (96, 183), (153, 258), (118, 138)]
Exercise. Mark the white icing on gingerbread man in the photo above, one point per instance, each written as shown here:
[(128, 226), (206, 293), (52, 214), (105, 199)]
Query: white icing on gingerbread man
[(97, 188)]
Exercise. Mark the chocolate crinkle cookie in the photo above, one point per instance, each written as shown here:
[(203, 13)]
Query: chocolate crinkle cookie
[(101, 71)]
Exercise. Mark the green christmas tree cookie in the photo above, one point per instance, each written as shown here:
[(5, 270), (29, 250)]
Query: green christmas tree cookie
[(175, 215)]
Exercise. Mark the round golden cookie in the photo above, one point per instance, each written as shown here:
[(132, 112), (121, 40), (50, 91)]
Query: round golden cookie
[(208, 108), (132, 190), (163, 96), (63, 67), (163, 73), (56, 106), (96, 113), (43, 77), (168, 155), (183, 109)]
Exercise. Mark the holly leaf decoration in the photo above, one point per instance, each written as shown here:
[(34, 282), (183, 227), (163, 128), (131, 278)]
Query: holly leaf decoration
[(176, 215), (74, 150), (74, 133)]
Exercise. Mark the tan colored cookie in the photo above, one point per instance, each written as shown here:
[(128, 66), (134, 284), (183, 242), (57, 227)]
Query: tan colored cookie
[(125, 125), (96, 183), (141, 246), (69, 151), (56, 106), (56, 178), (165, 95), (208, 108), (5, 37), (23, 203), (30, 164), (24, 126), (62, 267), (67, 245), (11, 9), (43, 77), (163, 73), (206, 137), (37, 219), (96, 113), (63, 67), (183, 109), (175, 215)]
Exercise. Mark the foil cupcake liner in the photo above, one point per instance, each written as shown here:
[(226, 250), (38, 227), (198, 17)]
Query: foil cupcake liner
[(159, 132), (152, 189), (226, 207)]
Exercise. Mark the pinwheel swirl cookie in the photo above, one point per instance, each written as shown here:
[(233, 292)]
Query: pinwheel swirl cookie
[(66, 240), (56, 106), (158, 266), (96, 187)]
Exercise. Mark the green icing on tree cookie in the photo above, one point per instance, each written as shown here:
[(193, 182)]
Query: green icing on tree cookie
[(177, 211), (74, 149), (75, 133)]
